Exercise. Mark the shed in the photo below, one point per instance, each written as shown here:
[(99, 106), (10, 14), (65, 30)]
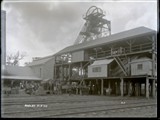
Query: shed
[(99, 68), (43, 67), (13, 76), (142, 66), (19, 73)]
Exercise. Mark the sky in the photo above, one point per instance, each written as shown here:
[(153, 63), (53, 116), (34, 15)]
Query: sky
[(42, 28)]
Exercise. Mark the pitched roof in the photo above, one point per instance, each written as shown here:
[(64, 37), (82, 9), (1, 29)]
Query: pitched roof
[(18, 72), (40, 61), (112, 38), (22, 78), (142, 59), (102, 62)]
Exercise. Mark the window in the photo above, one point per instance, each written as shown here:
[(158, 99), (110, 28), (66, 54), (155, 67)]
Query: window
[(96, 69), (139, 67)]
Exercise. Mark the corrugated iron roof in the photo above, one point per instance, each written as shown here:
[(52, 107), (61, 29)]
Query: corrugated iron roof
[(18, 72), (102, 62), (21, 78), (40, 61), (142, 59), (112, 38)]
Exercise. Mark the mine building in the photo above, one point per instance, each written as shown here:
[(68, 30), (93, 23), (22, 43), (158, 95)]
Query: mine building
[(124, 62), (118, 64), (43, 67)]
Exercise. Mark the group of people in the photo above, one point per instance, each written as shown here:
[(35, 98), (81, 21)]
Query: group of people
[(78, 90), (30, 88), (91, 89)]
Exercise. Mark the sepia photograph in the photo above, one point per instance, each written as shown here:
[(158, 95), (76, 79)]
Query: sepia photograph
[(79, 59)]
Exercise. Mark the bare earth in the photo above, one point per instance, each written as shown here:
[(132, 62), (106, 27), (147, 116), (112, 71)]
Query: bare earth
[(54, 106)]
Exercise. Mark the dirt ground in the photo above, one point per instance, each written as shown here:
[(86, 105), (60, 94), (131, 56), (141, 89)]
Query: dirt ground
[(55, 105)]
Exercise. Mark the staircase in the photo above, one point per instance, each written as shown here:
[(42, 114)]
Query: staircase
[(82, 78), (122, 67)]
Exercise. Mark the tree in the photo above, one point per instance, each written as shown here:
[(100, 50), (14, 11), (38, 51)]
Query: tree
[(13, 59)]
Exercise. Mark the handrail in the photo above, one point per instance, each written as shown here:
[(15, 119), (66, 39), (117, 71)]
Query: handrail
[(134, 48), (127, 49)]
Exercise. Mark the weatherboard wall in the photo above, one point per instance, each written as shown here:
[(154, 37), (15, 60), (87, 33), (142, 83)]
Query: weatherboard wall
[(141, 68), (101, 73), (78, 56), (48, 69)]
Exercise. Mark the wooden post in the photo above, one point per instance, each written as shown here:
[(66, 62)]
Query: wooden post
[(80, 91), (96, 53), (130, 46), (12, 83), (129, 66), (69, 72), (129, 89), (116, 84), (55, 73), (109, 85), (101, 86), (140, 89), (153, 56), (153, 88), (118, 87), (126, 87), (111, 51), (147, 87), (137, 89), (153, 64), (81, 68), (122, 89), (61, 72), (82, 78)]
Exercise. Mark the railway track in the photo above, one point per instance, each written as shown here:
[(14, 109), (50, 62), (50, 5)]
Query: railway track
[(101, 110), (49, 102), (62, 96), (77, 107), (77, 110), (49, 99), (9, 103), (60, 106)]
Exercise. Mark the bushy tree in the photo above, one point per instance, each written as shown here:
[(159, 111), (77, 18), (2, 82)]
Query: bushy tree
[(13, 59)]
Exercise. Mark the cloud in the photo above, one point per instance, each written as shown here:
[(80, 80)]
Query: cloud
[(147, 17), (44, 28)]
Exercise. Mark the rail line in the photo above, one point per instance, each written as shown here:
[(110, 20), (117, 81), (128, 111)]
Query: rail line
[(107, 109), (61, 98), (79, 108), (57, 101)]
